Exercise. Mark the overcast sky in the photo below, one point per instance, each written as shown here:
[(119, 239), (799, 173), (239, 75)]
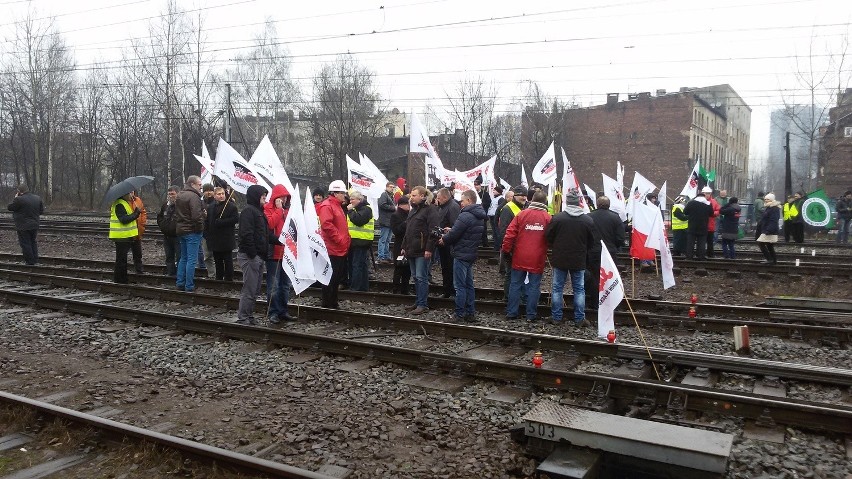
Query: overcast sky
[(579, 50)]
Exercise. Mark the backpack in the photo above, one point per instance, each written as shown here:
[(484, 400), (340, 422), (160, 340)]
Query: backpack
[(167, 221)]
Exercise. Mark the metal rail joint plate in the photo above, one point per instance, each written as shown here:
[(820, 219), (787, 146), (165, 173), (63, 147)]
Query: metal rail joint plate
[(647, 440)]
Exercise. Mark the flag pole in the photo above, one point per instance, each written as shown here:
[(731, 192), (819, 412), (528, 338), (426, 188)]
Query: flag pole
[(642, 336), (226, 205), (269, 295), (633, 277)]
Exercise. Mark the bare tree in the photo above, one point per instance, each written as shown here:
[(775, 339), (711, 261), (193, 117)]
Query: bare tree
[(38, 92), (203, 110), (345, 113), (89, 150), (543, 121), (472, 111)]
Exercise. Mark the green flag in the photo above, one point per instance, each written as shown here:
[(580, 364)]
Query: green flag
[(816, 210), (707, 175)]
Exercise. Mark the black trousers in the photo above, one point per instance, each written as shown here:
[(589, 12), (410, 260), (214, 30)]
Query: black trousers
[(171, 246), (338, 271), (693, 241), (710, 235), (136, 248), (447, 270), (224, 265), (768, 250), (401, 279), (29, 247), (121, 250)]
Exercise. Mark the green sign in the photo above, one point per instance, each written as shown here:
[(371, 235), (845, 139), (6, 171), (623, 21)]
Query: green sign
[(816, 211)]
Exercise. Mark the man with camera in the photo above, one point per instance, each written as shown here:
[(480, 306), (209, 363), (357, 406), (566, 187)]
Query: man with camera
[(448, 211), (419, 244), (465, 237), (27, 209)]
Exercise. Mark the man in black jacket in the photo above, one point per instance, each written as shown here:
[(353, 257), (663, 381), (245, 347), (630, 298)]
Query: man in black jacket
[(419, 244), (253, 251), (570, 234), (609, 226), (464, 238), (448, 211), (27, 209), (485, 198), (167, 222), (698, 213), (386, 209)]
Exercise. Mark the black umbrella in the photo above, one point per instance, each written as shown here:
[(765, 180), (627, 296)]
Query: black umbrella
[(122, 188)]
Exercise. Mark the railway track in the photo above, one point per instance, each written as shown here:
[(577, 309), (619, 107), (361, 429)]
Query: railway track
[(466, 351), (118, 434)]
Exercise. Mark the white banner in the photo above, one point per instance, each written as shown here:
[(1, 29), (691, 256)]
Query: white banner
[(661, 196), (658, 239), (610, 293), (690, 189), (641, 186), (570, 182), (266, 163), (592, 195), (612, 190), (319, 252), (419, 143), (524, 182), (206, 165), (545, 170), (296, 260), (231, 167)]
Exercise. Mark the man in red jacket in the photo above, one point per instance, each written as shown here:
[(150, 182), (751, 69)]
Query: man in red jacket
[(526, 243), (711, 223), (277, 281), (335, 233)]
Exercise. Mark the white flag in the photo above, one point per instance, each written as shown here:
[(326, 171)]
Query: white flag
[(485, 170), (690, 189), (380, 180), (619, 174), (296, 260), (545, 170), (206, 164), (319, 252), (419, 143), (462, 183), (506, 185), (231, 167), (265, 162), (592, 195), (570, 182), (662, 195), (612, 190), (524, 181), (640, 187), (658, 239), (610, 293)]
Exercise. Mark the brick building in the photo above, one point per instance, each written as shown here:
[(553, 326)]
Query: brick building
[(661, 136), (835, 158)]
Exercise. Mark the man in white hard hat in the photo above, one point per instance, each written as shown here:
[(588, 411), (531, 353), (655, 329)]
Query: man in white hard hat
[(335, 233), (698, 213)]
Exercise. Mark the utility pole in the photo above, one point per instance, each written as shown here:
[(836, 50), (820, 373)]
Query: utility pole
[(788, 176), (228, 113)]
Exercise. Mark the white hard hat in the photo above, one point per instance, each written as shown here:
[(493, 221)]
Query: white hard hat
[(337, 186), (707, 189)]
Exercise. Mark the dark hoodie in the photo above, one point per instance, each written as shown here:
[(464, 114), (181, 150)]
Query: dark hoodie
[(254, 232), (275, 217), (466, 233)]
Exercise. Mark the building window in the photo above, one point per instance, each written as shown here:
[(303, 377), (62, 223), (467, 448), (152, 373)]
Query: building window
[(847, 132)]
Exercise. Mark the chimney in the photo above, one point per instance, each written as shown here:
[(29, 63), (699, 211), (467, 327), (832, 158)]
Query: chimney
[(661, 92), (611, 98), (645, 95)]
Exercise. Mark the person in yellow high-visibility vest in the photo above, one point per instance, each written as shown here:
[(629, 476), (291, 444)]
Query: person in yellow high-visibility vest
[(679, 224), (362, 228), (123, 230)]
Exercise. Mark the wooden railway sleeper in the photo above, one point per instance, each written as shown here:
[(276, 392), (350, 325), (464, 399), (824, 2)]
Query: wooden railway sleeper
[(765, 420), (644, 404), (501, 339)]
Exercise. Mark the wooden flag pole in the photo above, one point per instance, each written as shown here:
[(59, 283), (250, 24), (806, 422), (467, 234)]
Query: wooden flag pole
[(633, 277), (642, 336), (226, 203)]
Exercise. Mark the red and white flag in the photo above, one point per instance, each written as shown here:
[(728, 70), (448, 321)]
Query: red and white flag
[(592, 195), (613, 191), (231, 167), (641, 186), (420, 143), (319, 252), (644, 217), (610, 293), (544, 171), (569, 183), (658, 239), (296, 260), (690, 189)]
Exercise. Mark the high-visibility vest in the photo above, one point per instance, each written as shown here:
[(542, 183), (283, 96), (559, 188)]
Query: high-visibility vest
[(790, 211), (678, 224), (117, 229), (514, 208), (366, 232)]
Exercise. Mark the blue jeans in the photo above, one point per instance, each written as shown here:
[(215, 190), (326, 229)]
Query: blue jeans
[(360, 279), (843, 230), (420, 271), (277, 289), (384, 243), (533, 290), (189, 244), (578, 284), (463, 283)]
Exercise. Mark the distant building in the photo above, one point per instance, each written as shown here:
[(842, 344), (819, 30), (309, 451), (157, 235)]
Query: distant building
[(661, 137), (835, 159), (781, 122)]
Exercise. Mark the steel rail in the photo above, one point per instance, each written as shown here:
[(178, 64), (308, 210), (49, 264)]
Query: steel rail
[(833, 376), (833, 328), (209, 454), (751, 406)]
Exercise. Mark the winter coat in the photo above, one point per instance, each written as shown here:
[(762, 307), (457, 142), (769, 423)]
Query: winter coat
[(504, 219), (189, 212), (335, 231), (221, 225), (466, 234), (125, 217), (387, 207), (422, 219), (698, 213), (166, 220), (844, 208), (275, 217), (768, 223), (142, 221), (448, 213), (611, 229), (571, 236), (398, 224), (729, 225), (485, 199), (360, 216), (26, 210), (525, 239), (711, 221), (254, 231)]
